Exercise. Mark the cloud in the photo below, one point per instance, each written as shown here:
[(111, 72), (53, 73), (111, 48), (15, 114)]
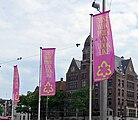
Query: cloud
[(27, 25)]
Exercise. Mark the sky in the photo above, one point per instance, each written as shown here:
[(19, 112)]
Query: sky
[(27, 25)]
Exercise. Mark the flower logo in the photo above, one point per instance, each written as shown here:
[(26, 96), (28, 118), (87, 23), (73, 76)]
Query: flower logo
[(104, 69), (48, 88)]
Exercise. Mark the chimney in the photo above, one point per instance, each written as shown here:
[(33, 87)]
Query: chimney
[(61, 79), (122, 58)]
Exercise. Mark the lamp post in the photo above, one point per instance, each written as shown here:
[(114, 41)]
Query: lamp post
[(47, 107), (120, 69), (96, 6), (103, 84), (90, 72)]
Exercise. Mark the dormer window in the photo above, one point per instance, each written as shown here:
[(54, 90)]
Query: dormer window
[(130, 68), (72, 69)]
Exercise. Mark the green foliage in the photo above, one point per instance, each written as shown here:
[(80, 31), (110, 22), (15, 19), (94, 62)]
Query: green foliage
[(1, 110), (31, 101), (56, 102), (80, 100), (28, 103)]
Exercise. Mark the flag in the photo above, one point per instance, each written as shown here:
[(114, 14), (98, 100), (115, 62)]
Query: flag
[(103, 49), (16, 85), (48, 85)]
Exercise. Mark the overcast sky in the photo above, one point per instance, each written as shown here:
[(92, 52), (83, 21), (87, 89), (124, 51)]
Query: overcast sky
[(27, 25)]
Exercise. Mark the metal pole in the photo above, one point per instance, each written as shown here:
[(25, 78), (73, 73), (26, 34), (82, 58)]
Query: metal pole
[(104, 6), (121, 72), (103, 90), (39, 87), (13, 101), (12, 108), (121, 95), (46, 107), (90, 74)]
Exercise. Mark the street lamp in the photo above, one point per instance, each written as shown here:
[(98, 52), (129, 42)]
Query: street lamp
[(96, 6), (19, 58), (47, 108), (103, 84), (120, 69)]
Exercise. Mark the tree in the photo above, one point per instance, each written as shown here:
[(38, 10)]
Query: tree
[(29, 103), (1, 111), (80, 100), (55, 103)]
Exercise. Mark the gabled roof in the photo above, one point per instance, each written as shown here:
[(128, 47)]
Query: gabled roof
[(78, 63), (75, 63), (121, 61), (125, 64)]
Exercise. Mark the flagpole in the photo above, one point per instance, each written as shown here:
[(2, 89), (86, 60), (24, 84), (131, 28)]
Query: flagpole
[(103, 88), (90, 73), (12, 106), (39, 87), (13, 99), (47, 108)]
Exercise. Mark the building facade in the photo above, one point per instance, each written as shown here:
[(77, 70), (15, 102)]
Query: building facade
[(6, 105), (122, 87)]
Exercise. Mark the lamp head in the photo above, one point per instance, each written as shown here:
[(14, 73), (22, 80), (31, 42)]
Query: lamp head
[(96, 5)]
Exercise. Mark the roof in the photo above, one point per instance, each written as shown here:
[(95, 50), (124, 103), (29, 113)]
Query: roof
[(87, 41), (78, 63), (61, 85), (121, 61)]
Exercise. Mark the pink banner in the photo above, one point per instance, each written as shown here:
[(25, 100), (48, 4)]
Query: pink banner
[(16, 85), (48, 86), (103, 48)]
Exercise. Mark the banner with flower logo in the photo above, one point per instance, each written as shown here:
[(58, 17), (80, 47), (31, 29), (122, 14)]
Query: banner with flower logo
[(48, 86), (16, 85), (103, 49)]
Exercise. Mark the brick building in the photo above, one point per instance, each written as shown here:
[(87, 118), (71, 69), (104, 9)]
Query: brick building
[(6, 105), (122, 87)]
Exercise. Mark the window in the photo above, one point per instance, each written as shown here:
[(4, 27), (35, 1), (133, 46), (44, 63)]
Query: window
[(72, 77), (130, 68), (122, 101), (130, 103), (118, 101), (96, 84), (72, 69), (109, 92), (130, 77), (83, 66), (84, 75), (96, 93), (83, 83), (109, 101), (118, 92), (110, 113), (130, 94), (96, 103), (130, 85), (132, 113), (122, 83), (109, 82), (118, 82), (84, 56), (73, 85), (122, 93)]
